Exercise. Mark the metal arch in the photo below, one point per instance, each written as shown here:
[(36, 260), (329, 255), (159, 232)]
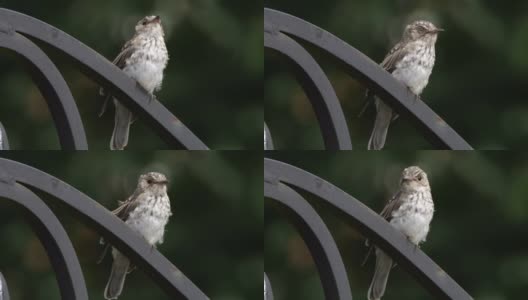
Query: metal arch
[(53, 88), (316, 86), (95, 66), (4, 291), (4, 142), (268, 141), (161, 270), (371, 225), (52, 236), (316, 236), (268, 291), (375, 77)]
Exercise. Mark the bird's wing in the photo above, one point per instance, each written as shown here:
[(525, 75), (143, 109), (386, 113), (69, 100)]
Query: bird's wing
[(121, 212), (125, 53), (127, 206), (389, 63), (393, 204), (120, 62), (393, 57)]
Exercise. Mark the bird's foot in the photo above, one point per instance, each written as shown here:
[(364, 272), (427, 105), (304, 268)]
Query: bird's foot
[(415, 97), (415, 245), (151, 98)]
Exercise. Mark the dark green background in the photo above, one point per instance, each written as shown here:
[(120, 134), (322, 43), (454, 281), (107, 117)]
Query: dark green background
[(478, 85), (478, 233), (214, 236), (213, 82)]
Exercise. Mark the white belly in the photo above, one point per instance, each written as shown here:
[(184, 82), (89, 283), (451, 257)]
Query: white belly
[(413, 76), (413, 217), (149, 221), (414, 226), (147, 72)]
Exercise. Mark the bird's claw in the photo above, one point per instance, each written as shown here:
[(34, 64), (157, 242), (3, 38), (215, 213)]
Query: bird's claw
[(415, 97), (151, 98)]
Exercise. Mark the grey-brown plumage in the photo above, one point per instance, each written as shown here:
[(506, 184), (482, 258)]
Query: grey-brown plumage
[(411, 62), (143, 58), (410, 211), (147, 212)]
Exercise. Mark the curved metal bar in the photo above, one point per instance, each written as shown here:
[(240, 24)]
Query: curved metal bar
[(375, 77), (53, 88), (268, 141), (4, 142), (52, 236), (4, 291), (95, 66), (317, 237), (268, 291), (116, 232), (425, 270), (317, 88)]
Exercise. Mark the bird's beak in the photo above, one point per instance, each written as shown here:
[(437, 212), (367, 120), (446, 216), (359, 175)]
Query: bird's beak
[(437, 30), (407, 179), (163, 182), (156, 19)]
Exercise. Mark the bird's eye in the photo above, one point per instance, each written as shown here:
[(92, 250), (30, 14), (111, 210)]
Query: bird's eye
[(419, 177), (144, 23), (150, 181)]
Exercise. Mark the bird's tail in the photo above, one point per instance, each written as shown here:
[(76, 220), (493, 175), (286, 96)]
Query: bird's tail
[(117, 277), (381, 275), (381, 126), (123, 119)]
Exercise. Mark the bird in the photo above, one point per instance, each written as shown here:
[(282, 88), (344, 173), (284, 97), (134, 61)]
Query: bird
[(143, 58), (409, 211), (147, 212), (411, 62)]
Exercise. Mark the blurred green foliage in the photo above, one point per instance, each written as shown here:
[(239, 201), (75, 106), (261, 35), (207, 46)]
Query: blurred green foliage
[(478, 234), (213, 82), (478, 85), (214, 236)]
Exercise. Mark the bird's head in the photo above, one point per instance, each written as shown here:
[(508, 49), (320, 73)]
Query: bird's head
[(421, 30), (153, 180), (414, 179), (149, 24)]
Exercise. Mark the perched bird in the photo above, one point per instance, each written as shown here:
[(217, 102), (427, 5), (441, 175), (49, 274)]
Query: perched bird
[(143, 58), (411, 62), (410, 211), (147, 212)]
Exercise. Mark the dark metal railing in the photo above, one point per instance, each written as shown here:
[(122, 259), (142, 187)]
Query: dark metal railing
[(14, 177), (14, 27), (279, 28), (279, 181)]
